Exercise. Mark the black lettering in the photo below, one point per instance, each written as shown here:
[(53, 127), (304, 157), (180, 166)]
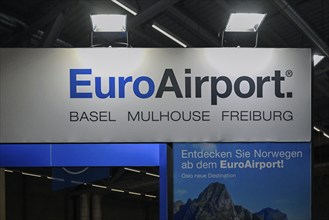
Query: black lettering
[(237, 87), (244, 115), (84, 116), (178, 116), (277, 83), (277, 114), (260, 82), (196, 115), (131, 117), (188, 84), (205, 115), (224, 114), (235, 114), (288, 116), (93, 116), (198, 85), (169, 75), (74, 116), (214, 91), (146, 117)]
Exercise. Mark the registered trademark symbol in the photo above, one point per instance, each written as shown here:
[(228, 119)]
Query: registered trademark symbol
[(289, 73)]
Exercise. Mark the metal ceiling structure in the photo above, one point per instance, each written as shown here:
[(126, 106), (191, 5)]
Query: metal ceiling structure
[(288, 24)]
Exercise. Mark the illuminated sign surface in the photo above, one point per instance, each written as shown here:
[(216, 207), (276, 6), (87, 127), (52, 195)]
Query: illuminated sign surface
[(152, 95)]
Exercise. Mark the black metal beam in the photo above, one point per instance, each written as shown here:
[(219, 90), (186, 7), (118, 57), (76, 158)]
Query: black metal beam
[(290, 12), (39, 24), (50, 36), (151, 12), (206, 35), (140, 34)]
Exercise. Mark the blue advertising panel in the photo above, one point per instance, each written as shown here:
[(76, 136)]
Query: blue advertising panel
[(91, 155), (25, 155), (241, 181), (105, 154), (45, 155)]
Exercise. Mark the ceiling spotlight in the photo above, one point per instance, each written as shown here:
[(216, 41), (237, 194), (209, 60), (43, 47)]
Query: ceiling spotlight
[(108, 23), (317, 59), (109, 30), (244, 22)]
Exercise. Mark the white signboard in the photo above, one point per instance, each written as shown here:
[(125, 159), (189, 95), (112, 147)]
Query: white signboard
[(155, 95)]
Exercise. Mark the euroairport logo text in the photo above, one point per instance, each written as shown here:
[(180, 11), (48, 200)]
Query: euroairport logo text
[(144, 87)]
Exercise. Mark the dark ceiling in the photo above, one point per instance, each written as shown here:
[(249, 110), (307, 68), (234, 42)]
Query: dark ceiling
[(288, 24)]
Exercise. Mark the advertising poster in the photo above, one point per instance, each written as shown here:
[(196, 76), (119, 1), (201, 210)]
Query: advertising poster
[(242, 181)]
